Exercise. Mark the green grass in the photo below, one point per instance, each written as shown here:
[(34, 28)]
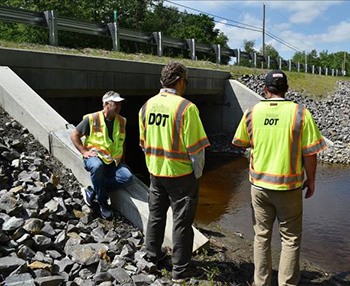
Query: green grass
[(311, 85)]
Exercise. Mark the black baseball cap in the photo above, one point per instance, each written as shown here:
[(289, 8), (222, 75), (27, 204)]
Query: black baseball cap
[(277, 79)]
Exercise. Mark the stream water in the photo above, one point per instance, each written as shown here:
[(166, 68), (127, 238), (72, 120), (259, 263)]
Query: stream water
[(225, 199)]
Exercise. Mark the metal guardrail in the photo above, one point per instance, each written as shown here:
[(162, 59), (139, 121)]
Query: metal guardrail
[(55, 23)]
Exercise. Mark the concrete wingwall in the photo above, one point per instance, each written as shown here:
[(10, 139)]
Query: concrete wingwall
[(52, 131)]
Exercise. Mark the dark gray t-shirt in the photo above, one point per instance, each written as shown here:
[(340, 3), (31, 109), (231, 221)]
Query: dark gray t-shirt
[(84, 127)]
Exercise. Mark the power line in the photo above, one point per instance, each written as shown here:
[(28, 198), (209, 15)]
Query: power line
[(213, 15), (240, 25)]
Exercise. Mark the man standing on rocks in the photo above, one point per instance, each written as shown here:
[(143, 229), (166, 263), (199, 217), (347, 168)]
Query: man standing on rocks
[(173, 140), (284, 140), (103, 151)]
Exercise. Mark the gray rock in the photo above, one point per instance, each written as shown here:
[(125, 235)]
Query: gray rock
[(127, 250), (118, 261), (60, 240), (143, 279), (42, 273), (3, 237), (103, 266), (12, 224), (120, 275), (23, 238), (25, 252), (24, 279), (98, 234), (10, 263), (26, 177), (7, 155), (111, 235), (49, 281), (85, 255), (107, 283), (54, 254), (162, 282), (64, 265), (39, 256), (41, 242), (9, 204), (35, 189), (3, 217), (33, 225), (102, 277), (52, 205), (48, 230)]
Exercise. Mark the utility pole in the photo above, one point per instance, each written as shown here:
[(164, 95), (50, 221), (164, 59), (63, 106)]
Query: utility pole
[(344, 64), (263, 37)]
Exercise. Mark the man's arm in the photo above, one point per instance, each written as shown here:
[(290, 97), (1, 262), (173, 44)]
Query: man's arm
[(310, 163), (76, 139)]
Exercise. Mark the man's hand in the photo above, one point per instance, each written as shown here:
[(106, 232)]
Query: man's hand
[(310, 185), (89, 153)]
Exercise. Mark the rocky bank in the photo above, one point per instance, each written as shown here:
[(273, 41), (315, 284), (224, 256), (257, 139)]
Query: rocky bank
[(331, 115)]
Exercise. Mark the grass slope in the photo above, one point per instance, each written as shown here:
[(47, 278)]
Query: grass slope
[(311, 85)]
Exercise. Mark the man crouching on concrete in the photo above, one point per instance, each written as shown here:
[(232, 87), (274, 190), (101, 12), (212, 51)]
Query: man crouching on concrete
[(103, 150)]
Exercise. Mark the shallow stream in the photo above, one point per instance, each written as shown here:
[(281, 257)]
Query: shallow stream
[(225, 199)]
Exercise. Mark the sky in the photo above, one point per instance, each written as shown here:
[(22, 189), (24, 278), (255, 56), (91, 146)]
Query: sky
[(301, 25)]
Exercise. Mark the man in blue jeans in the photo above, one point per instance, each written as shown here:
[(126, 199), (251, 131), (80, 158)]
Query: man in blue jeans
[(103, 151)]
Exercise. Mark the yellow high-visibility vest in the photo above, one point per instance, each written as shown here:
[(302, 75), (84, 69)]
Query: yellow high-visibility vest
[(170, 131), (98, 140), (279, 133)]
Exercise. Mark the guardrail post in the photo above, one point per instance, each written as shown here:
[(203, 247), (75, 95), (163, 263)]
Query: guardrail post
[(51, 20), (326, 71), (268, 62), (114, 30), (279, 63), (159, 41), (298, 67), (217, 49), (313, 69), (319, 70), (290, 65), (332, 72), (336, 73), (238, 57), (305, 67), (192, 45), (254, 60)]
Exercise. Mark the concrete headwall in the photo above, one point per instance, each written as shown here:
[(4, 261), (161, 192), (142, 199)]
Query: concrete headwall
[(51, 130), (225, 115), (64, 75)]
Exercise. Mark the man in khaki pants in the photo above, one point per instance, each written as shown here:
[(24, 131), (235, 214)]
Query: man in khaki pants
[(284, 140)]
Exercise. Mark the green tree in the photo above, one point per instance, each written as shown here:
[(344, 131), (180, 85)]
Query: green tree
[(270, 51), (248, 46)]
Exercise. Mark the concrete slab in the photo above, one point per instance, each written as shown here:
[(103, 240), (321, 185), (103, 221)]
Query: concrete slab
[(51, 130)]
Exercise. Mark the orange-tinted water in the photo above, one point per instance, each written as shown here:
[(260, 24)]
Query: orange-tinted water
[(225, 199)]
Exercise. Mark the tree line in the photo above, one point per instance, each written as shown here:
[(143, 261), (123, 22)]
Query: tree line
[(142, 15)]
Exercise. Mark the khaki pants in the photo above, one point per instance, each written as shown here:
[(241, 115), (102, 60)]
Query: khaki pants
[(287, 206)]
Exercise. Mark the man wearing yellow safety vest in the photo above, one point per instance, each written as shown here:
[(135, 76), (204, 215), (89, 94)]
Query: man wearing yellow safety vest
[(173, 140), (103, 151), (284, 140)]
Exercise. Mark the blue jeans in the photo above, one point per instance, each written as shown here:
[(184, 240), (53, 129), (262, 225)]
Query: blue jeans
[(106, 178)]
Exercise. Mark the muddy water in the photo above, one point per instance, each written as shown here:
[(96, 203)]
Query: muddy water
[(225, 199)]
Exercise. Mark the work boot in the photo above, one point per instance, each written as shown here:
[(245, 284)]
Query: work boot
[(155, 260), (187, 275), (88, 195), (105, 211)]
